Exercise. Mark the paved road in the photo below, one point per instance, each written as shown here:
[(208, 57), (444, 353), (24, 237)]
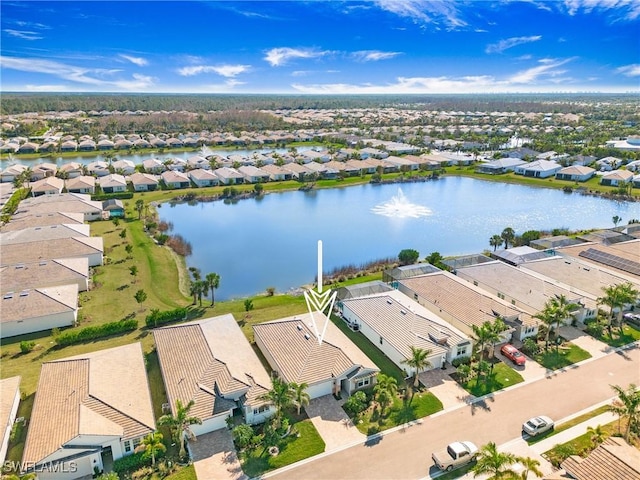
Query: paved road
[(406, 454)]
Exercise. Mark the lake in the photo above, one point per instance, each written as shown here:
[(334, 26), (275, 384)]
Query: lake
[(255, 244)]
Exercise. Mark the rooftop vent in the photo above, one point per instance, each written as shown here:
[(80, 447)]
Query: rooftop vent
[(24, 293), (299, 327), (43, 263), (306, 335), (389, 302), (20, 265), (7, 295), (404, 312)]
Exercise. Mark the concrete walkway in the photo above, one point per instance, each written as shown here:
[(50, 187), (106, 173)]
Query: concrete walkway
[(585, 341), (214, 457), (333, 424), (448, 391)]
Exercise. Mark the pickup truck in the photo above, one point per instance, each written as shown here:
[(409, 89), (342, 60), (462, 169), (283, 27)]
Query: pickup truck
[(455, 455)]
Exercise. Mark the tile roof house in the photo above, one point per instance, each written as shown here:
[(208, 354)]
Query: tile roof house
[(47, 186), (91, 248), (61, 203), (211, 362), (616, 178), (112, 183), (175, 179), (576, 173), (143, 182), (614, 459), (12, 172), (538, 169), (81, 184), (229, 176), (464, 305), (501, 165), (98, 168), (153, 165), (49, 233), (38, 309), (82, 413), (276, 172), (42, 220), (253, 174), (47, 273), (336, 365), (203, 178), (394, 323), (9, 402)]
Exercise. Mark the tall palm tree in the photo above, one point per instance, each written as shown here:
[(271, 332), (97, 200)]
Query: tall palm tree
[(152, 445), (213, 282), (300, 396), (280, 395), (546, 316), (494, 463), (180, 424), (495, 241), (530, 466), (385, 390), (494, 332), (562, 309), (616, 297), (597, 435), (508, 235), (419, 360), (627, 405), (481, 336)]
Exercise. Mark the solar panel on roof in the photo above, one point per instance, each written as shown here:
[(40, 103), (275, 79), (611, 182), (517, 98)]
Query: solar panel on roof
[(611, 260)]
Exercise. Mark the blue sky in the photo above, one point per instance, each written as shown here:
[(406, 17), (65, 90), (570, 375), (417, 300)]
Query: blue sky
[(321, 47)]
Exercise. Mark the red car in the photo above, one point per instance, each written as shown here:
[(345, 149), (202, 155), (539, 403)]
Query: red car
[(513, 354)]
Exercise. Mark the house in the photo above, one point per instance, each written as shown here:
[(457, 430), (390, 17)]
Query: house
[(48, 233), (616, 178), (607, 164), (501, 165), (45, 273), (402, 163), (322, 170), (464, 305), (112, 183), (91, 248), (42, 220), (105, 144), (81, 184), (175, 179), (299, 172), (64, 202), (276, 173), (369, 152), (71, 170), (294, 353), (12, 172), (98, 168), (82, 413), (153, 165), (38, 309), (203, 178), (253, 174), (618, 257), (113, 207), (394, 323), (613, 459), (43, 170), (47, 186), (525, 290), (28, 147), (124, 167), (361, 166), (538, 169), (86, 145), (211, 362), (143, 182), (229, 176), (314, 156), (69, 146), (198, 162), (575, 173), (9, 402)]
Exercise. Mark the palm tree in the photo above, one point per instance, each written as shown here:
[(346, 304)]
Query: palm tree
[(280, 395), (419, 360), (152, 445), (597, 435), (616, 297), (180, 424), (530, 466), (213, 282), (627, 405), (546, 316), (508, 235), (616, 220), (562, 309), (493, 334), (494, 463), (139, 207), (481, 335), (495, 241), (300, 396), (385, 390)]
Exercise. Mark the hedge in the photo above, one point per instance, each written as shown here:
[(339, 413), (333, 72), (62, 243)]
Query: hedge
[(69, 337), (156, 317), (108, 196), (131, 463)]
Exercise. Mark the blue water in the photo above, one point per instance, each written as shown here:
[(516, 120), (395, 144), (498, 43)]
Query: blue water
[(272, 242)]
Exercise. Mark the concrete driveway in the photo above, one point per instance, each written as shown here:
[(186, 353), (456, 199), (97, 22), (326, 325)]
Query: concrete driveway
[(333, 424), (531, 370), (448, 391), (214, 457), (585, 341)]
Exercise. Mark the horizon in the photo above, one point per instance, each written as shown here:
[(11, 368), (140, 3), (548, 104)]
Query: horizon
[(356, 47)]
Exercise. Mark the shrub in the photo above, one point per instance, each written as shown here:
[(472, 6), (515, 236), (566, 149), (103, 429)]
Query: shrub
[(156, 317), (27, 346), (69, 337), (130, 463), (456, 362), (530, 347), (356, 403)]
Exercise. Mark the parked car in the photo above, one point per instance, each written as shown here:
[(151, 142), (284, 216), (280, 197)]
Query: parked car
[(632, 319), (537, 425), (455, 455), (513, 354)]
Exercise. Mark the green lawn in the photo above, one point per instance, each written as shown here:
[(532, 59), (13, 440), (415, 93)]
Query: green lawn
[(503, 376), (566, 425), (423, 404), (568, 354), (186, 473), (383, 362), (629, 334), (292, 449)]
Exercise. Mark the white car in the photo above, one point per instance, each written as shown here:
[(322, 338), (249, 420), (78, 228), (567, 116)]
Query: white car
[(537, 425)]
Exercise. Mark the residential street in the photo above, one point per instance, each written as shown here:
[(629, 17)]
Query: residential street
[(406, 453)]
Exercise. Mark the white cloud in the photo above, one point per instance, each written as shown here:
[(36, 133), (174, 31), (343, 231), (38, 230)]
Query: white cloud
[(425, 11), (280, 56), (141, 62), (25, 35), (373, 55), (507, 43), (632, 70), (548, 67), (629, 9), (99, 77), (223, 70), (46, 88)]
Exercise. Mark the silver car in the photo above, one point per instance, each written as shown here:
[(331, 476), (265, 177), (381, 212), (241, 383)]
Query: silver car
[(537, 425)]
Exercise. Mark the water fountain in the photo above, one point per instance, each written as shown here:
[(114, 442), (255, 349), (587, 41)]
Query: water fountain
[(400, 207), (206, 152)]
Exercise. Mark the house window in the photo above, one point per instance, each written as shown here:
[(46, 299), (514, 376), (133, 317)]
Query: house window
[(380, 340), (415, 296), (461, 351), (475, 283), (136, 442), (260, 409), (363, 382), (501, 295), (513, 302), (127, 446)]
